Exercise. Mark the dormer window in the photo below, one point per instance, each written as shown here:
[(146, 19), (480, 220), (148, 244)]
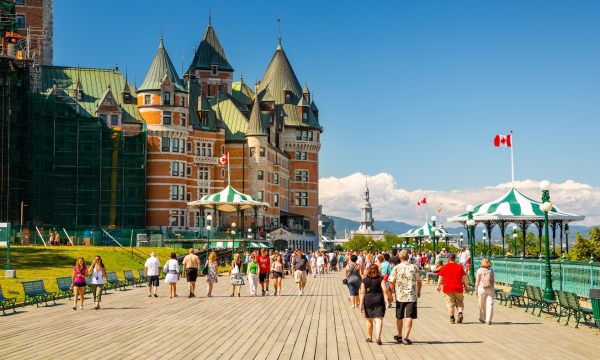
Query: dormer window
[(288, 98), (79, 95), (167, 98), (204, 118), (127, 98), (304, 117), (214, 69)]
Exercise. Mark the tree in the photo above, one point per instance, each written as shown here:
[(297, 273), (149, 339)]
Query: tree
[(338, 247), (584, 247)]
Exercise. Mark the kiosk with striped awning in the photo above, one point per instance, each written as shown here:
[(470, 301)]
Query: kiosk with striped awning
[(258, 245)]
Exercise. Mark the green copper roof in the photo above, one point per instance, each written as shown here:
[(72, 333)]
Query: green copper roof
[(242, 92), (313, 106), (305, 89), (256, 126), (278, 76), (266, 95), (197, 98), (287, 87), (94, 83), (210, 52), (161, 65), (235, 122), (303, 102)]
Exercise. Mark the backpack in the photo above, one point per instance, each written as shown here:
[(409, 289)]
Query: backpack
[(486, 279)]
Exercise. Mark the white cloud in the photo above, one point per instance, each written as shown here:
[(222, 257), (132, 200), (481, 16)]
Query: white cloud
[(343, 197)]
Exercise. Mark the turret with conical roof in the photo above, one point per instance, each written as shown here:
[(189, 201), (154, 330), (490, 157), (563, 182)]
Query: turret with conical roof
[(161, 66), (256, 126)]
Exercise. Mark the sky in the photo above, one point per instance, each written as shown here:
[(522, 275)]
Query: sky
[(411, 90)]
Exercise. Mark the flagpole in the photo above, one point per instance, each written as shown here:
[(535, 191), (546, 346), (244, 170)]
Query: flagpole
[(426, 202), (512, 163), (228, 172)]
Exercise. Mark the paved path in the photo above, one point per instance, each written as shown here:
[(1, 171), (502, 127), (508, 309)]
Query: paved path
[(318, 325)]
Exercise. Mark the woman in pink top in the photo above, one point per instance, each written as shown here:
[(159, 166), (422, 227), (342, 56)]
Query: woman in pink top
[(78, 282), (313, 264)]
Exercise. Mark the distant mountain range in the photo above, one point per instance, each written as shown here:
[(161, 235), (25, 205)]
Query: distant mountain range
[(398, 227)]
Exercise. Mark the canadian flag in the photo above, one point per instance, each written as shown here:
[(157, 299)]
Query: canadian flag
[(224, 159), (503, 140), (424, 201)]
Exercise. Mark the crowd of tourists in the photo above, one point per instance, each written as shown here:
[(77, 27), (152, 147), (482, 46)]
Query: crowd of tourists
[(374, 279)]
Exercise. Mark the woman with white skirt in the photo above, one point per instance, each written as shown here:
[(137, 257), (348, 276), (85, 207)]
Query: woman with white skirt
[(252, 275), (171, 270)]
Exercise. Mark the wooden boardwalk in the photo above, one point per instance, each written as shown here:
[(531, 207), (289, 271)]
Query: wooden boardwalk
[(318, 325)]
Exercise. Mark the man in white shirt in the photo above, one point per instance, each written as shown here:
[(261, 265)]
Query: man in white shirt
[(359, 260), (152, 269)]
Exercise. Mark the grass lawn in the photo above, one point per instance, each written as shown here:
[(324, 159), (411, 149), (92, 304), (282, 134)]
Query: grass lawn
[(48, 263)]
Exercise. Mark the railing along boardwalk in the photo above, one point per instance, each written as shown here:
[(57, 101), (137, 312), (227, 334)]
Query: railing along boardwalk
[(318, 325)]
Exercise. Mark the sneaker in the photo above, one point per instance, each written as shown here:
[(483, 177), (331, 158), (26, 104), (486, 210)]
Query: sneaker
[(149, 295), (80, 307), (489, 323), (208, 295), (267, 292), (263, 293), (190, 295), (452, 321), (481, 321), (460, 318), (300, 293), (74, 307), (155, 295), (193, 295)]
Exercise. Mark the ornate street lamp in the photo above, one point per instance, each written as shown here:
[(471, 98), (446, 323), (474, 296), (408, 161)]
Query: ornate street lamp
[(461, 239), (233, 231), (433, 229), (249, 233), (484, 238), (515, 237), (567, 232), (208, 227), (471, 225), (545, 207)]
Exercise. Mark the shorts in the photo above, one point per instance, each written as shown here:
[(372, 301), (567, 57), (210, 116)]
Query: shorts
[(353, 289), (78, 284), (277, 275), (406, 309), (191, 274), (454, 299), (152, 280), (262, 277), (300, 276)]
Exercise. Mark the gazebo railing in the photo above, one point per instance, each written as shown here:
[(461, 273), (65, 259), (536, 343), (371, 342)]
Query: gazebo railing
[(572, 276)]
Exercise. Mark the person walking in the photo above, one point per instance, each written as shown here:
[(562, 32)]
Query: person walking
[(277, 270), (464, 255), (321, 263), (264, 264), (78, 282), (286, 261), (191, 265), (235, 274), (171, 270), (484, 289), (313, 266), (453, 276), (252, 275), (299, 269), (98, 273), (212, 274), (340, 264), (405, 280), (372, 290), (386, 270), (354, 276), (152, 270)]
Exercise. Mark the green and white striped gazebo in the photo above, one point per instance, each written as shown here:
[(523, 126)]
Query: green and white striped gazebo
[(515, 208), (258, 245), (228, 200), (425, 232), (403, 246)]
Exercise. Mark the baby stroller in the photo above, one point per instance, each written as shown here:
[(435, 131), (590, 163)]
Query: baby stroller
[(333, 264)]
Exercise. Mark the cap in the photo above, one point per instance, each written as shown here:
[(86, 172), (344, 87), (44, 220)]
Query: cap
[(451, 255)]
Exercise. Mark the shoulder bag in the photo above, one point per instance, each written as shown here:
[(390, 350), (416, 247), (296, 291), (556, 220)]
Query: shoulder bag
[(205, 270), (235, 270), (387, 273)]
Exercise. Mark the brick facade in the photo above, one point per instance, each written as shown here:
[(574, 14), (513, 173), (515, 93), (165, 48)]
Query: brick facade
[(38, 14)]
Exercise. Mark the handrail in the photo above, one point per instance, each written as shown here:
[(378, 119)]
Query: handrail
[(39, 233)]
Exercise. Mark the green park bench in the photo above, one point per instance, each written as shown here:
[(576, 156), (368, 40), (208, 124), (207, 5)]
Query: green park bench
[(535, 297), (569, 304), (515, 294), (113, 281), (36, 292), (471, 283), (142, 274), (6, 302), (130, 279), (64, 287)]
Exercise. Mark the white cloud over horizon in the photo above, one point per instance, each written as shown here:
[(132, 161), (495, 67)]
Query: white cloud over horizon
[(343, 197)]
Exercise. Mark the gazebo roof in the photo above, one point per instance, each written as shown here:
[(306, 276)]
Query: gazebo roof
[(514, 206), (425, 231), (326, 239), (402, 246), (228, 200)]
